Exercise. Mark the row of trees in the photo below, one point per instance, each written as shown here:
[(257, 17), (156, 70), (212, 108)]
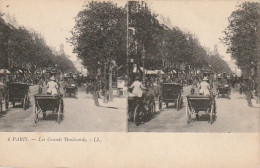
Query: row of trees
[(100, 35), (242, 37), (166, 47), (21, 48)]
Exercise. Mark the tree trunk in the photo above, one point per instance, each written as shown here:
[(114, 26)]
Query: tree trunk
[(105, 81), (110, 85), (249, 96), (95, 97)]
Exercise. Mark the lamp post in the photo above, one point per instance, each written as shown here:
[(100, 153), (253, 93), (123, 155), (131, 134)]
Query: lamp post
[(131, 69), (35, 54), (143, 58), (2, 48), (253, 70)]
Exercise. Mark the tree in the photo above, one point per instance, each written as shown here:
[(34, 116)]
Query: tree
[(100, 34), (241, 35), (218, 65), (164, 46), (99, 37), (148, 33), (64, 64), (20, 47)]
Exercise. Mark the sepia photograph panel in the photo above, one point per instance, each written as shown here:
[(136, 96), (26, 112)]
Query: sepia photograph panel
[(136, 66), (63, 66), (194, 66), (129, 83)]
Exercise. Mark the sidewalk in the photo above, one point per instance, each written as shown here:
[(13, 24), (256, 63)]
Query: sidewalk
[(243, 96), (254, 104), (119, 103)]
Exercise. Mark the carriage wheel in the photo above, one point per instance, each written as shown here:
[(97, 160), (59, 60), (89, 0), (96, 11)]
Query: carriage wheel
[(197, 116), (35, 112), (212, 114), (152, 108), (1, 104), (59, 114), (188, 114), (6, 102), (229, 95), (177, 104), (160, 103), (130, 115), (28, 102), (62, 109), (25, 102), (40, 90), (138, 115), (44, 114)]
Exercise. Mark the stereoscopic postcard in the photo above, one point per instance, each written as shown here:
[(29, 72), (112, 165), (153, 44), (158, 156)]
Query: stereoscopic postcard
[(129, 83)]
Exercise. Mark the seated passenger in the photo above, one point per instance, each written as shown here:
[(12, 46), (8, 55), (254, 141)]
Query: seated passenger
[(52, 87), (137, 88), (204, 87)]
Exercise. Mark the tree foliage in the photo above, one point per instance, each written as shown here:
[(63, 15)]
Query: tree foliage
[(21, 48), (218, 64), (165, 47), (100, 34), (241, 34)]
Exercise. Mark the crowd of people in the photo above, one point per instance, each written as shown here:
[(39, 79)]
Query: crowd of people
[(202, 84), (139, 85)]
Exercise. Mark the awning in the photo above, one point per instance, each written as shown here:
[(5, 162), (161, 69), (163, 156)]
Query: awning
[(4, 71), (151, 72), (136, 71), (159, 72), (148, 72)]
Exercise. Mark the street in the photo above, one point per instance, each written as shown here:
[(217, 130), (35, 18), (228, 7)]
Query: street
[(232, 115), (80, 115)]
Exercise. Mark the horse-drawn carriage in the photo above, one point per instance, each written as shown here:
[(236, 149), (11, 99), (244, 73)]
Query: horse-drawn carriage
[(17, 92), (52, 71), (3, 89), (70, 90), (224, 90), (44, 103), (210, 75), (141, 108), (171, 93), (89, 82), (70, 87), (196, 103)]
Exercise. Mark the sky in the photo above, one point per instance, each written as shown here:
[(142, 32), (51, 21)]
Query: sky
[(206, 19), (54, 19)]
